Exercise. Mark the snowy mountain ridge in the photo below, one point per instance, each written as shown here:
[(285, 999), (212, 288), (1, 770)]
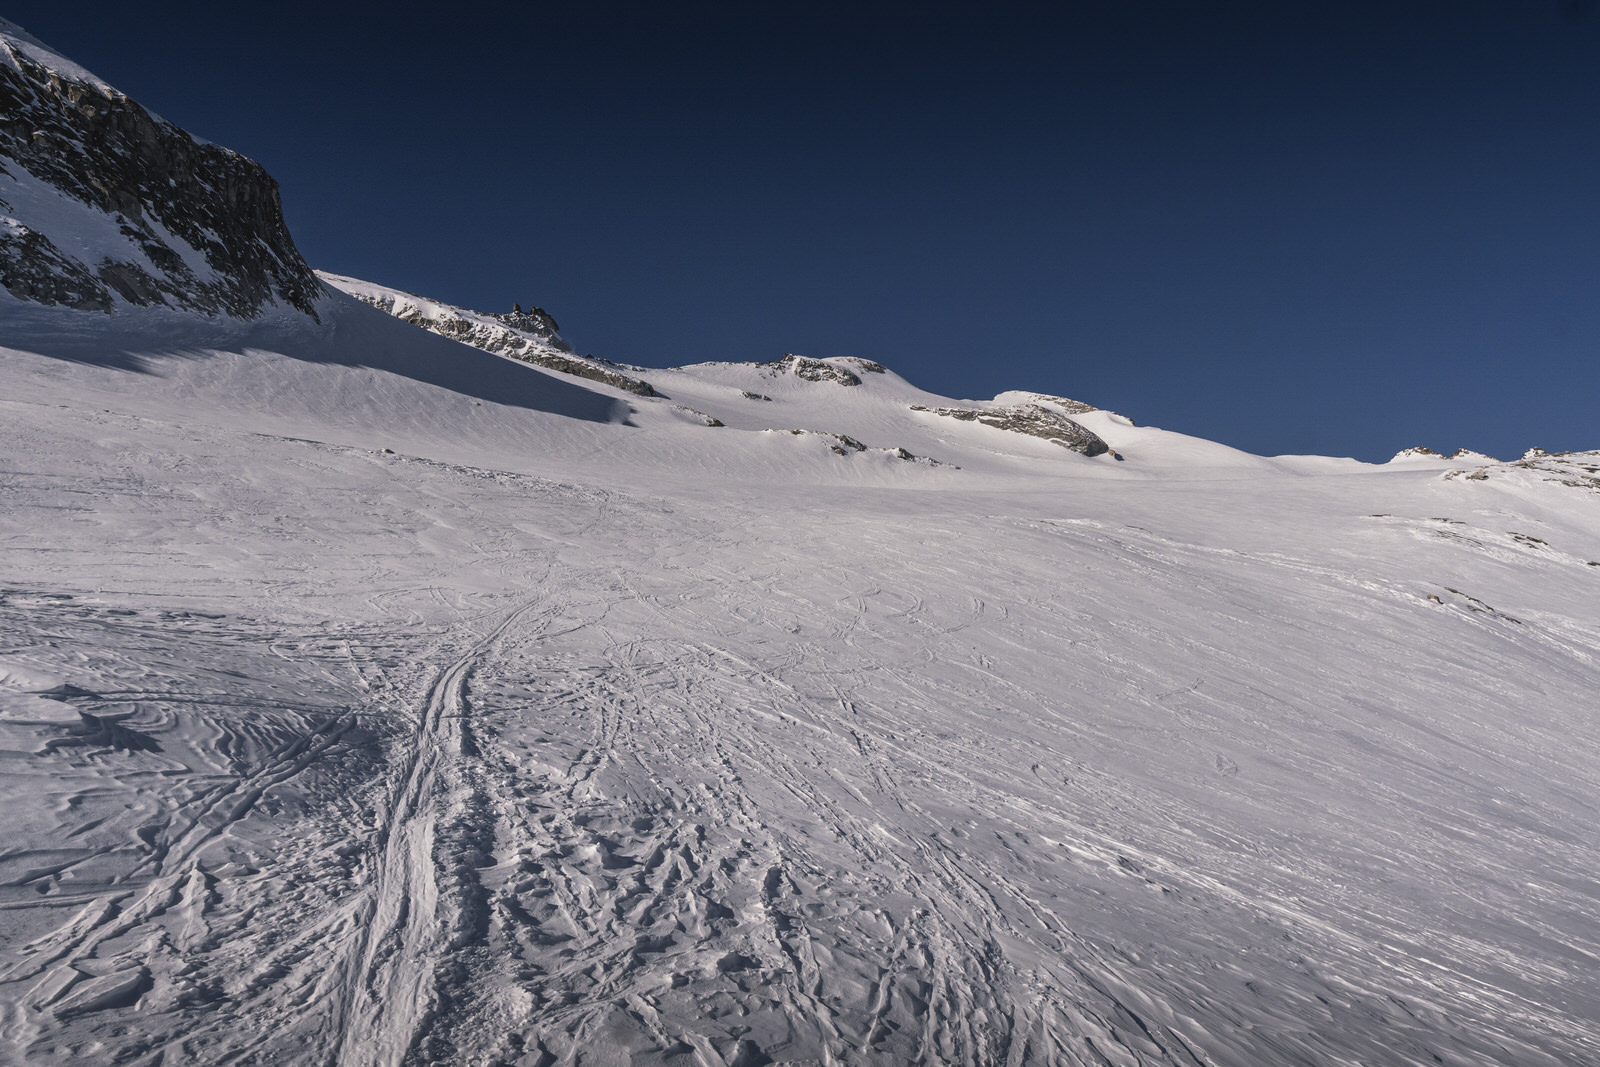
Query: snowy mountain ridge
[(1031, 414)]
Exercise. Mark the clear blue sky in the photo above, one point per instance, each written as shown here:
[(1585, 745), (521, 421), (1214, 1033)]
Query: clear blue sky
[(1342, 228)]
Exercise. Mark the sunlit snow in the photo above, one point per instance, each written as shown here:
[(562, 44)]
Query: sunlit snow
[(368, 698)]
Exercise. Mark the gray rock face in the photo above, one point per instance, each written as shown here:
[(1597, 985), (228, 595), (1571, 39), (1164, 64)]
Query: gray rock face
[(160, 188), (1033, 420), (33, 268), (536, 322)]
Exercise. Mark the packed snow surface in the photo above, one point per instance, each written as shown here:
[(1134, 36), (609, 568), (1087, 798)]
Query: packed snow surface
[(370, 699)]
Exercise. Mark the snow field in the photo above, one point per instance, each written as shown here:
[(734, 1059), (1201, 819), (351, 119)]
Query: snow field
[(617, 738)]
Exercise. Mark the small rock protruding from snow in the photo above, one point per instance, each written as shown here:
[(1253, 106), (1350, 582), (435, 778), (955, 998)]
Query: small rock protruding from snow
[(845, 445), (1418, 452), (692, 415)]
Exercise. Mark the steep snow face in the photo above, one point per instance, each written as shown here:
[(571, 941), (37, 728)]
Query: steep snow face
[(104, 205)]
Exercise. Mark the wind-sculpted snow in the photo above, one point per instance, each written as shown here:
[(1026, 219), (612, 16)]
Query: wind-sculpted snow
[(349, 720)]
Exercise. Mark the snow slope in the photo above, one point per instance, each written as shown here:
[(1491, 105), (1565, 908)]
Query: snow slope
[(371, 698), (575, 730)]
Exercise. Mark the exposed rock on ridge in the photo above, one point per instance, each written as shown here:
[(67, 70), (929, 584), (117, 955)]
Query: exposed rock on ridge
[(1034, 420), (185, 224), (527, 336), (837, 370), (1071, 407), (535, 322), (1578, 470)]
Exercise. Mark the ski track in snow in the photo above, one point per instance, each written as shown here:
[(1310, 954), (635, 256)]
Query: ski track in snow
[(446, 763)]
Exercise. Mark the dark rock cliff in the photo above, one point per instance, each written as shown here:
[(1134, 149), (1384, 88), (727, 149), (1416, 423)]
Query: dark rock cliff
[(160, 189)]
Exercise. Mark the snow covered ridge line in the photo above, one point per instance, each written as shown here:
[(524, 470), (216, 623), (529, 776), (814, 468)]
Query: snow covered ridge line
[(103, 203), (527, 336), (1460, 455), (840, 370), (1577, 470), (817, 370), (532, 338)]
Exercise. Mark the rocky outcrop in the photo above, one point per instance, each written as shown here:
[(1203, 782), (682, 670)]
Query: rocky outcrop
[(842, 370), (844, 445), (699, 418), (1033, 420), (1460, 455), (179, 223), (535, 322), (1576, 470)]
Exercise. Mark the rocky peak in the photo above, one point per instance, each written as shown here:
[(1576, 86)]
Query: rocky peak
[(101, 202), (537, 322)]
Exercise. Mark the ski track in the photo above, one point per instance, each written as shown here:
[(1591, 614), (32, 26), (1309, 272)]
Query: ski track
[(388, 996)]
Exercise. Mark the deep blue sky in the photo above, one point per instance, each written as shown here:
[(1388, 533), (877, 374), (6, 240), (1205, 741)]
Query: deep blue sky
[(1337, 227)]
